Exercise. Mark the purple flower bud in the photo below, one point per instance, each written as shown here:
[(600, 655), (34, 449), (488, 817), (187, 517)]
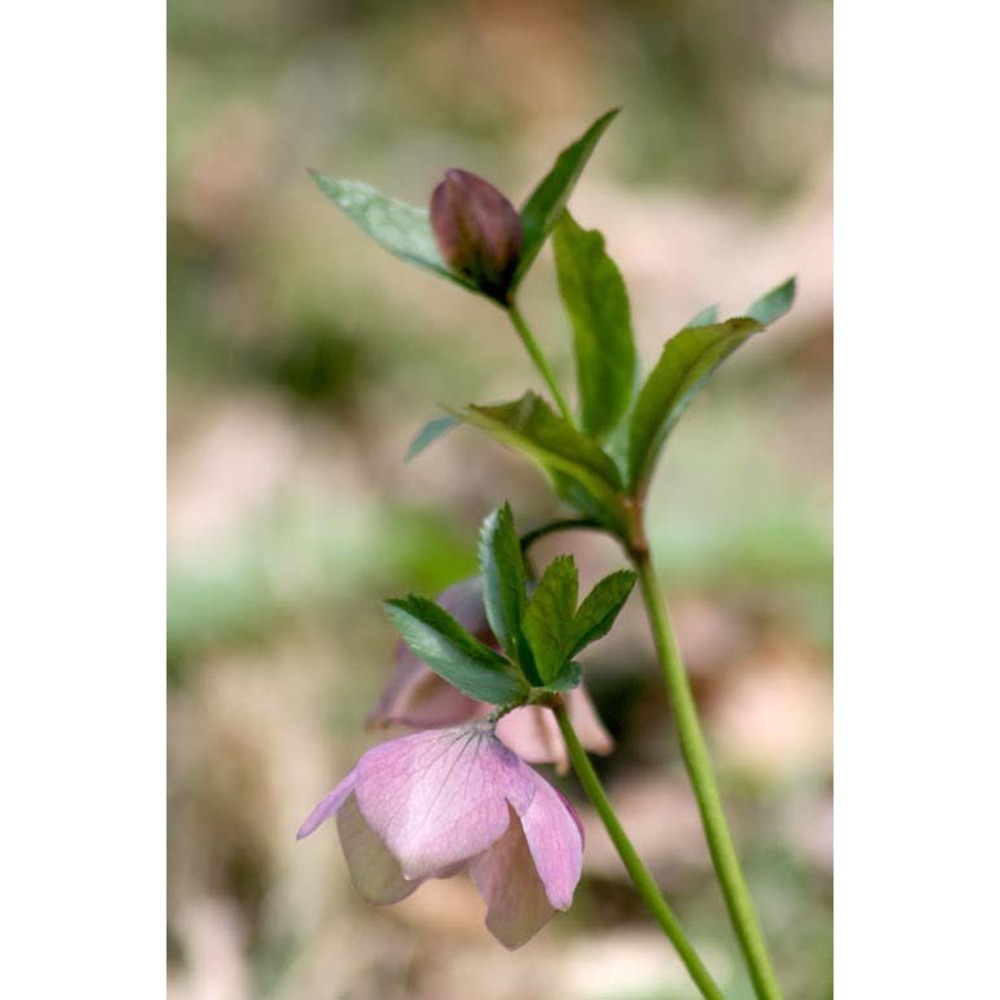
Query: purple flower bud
[(417, 697), (478, 231), (436, 803)]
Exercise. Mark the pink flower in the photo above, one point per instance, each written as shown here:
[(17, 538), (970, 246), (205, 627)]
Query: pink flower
[(435, 803), (417, 697)]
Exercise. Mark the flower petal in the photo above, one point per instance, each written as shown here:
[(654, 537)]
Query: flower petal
[(415, 696), (374, 871), (587, 722), (533, 733), (329, 804), (440, 797), (505, 875), (555, 837)]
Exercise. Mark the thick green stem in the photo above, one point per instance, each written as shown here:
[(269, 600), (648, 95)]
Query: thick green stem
[(699, 766), (638, 872), (531, 345)]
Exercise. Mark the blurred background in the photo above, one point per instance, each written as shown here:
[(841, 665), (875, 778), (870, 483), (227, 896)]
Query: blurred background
[(303, 358)]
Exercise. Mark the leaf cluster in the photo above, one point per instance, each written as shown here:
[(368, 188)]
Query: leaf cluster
[(539, 631), (602, 463)]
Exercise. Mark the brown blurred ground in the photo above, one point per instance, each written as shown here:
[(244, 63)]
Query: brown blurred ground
[(302, 359)]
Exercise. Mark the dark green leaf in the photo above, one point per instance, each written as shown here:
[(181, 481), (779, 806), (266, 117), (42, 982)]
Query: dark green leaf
[(501, 566), (451, 652), (546, 203), (568, 678), (429, 433), (775, 304), (529, 426), (594, 294), (600, 609), (705, 318), (548, 620), (403, 230), (687, 362)]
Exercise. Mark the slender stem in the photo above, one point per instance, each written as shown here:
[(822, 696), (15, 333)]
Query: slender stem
[(566, 524), (640, 875), (528, 339), (706, 790)]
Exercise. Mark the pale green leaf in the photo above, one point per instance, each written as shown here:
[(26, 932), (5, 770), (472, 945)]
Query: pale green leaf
[(403, 230), (772, 306), (429, 433)]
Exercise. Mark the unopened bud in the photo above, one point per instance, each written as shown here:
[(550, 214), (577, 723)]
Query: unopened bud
[(478, 231)]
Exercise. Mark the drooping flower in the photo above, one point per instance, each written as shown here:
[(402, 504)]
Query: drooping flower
[(417, 697), (435, 803), (477, 230)]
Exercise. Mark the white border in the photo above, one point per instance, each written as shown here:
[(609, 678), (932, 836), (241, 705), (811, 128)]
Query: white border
[(917, 501), (82, 418)]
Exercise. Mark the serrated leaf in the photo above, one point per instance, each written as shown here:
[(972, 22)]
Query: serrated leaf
[(687, 362), (451, 652), (595, 298), (546, 203), (568, 678), (429, 433), (530, 427), (548, 619), (706, 317), (402, 229), (501, 567), (774, 304), (600, 609)]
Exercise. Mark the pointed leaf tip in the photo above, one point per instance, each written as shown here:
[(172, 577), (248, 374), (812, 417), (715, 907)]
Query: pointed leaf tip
[(402, 229), (545, 204), (686, 364), (772, 306), (429, 433)]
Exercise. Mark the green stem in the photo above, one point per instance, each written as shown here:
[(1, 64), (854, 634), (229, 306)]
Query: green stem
[(643, 881), (566, 524), (528, 339), (699, 766)]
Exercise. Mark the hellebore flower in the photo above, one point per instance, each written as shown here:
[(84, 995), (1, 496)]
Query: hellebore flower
[(417, 697), (435, 803), (478, 231)]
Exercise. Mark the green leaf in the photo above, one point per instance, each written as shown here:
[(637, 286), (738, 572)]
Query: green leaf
[(687, 362), (501, 566), (594, 294), (600, 609), (549, 617), (775, 304), (403, 230), (429, 433), (580, 473), (452, 653), (706, 317), (568, 678), (546, 203)]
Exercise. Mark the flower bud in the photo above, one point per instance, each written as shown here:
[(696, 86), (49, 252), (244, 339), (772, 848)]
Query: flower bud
[(478, 231)]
